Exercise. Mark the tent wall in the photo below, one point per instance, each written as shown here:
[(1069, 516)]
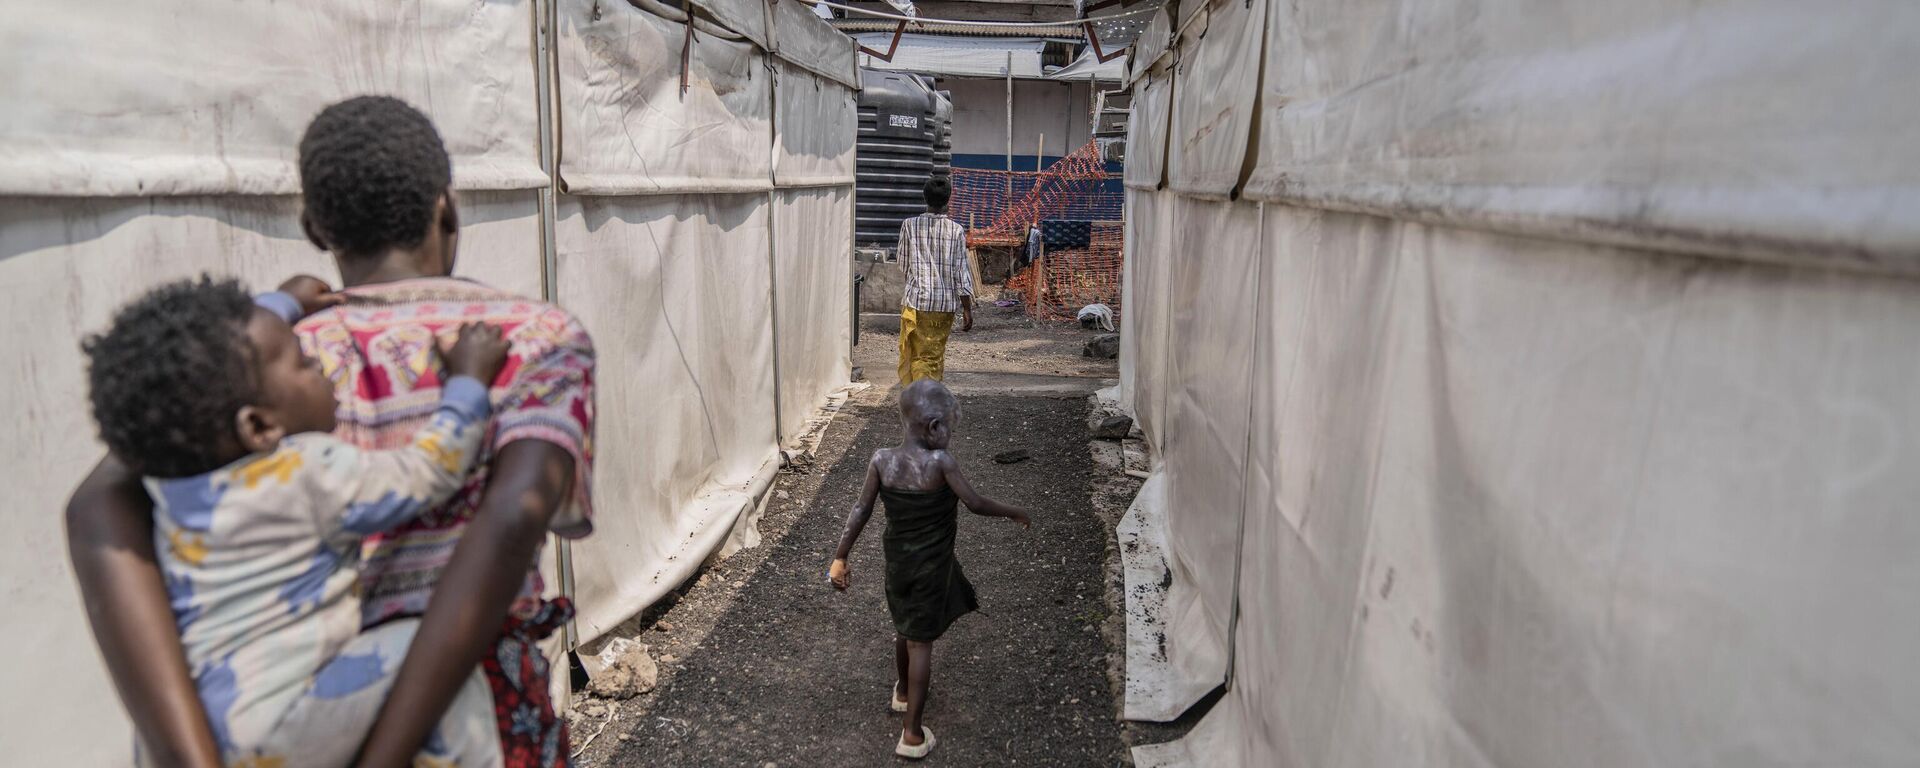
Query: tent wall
[(1213, 97), (1754, 129), (1547, 369), (687, 385), (812, 306), (121, 172), (210, 98), (806, 41), (675, 290), (819, 149), (628, 134)]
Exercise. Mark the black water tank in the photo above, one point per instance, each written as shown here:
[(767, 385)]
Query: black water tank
[(943, 134), (905, 137)]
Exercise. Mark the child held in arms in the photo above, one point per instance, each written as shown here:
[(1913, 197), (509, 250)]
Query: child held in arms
[(259, 512), (921, 483)]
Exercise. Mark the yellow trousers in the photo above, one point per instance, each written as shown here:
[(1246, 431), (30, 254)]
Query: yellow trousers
[(923, 344)]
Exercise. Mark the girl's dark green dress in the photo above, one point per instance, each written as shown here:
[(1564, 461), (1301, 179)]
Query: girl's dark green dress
[(925, 589)]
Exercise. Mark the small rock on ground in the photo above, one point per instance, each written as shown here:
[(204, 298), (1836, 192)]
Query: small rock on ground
[(1111, 427), (1012, 457), (1105, 346), (627, 671)]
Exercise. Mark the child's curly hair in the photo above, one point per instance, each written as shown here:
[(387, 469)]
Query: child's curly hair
[(167, 377)]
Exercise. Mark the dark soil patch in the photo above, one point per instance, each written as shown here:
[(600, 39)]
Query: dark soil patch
[(786, 671)]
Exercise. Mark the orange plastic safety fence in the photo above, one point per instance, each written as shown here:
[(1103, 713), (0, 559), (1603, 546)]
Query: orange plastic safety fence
[(998, 208), (1071, 279)]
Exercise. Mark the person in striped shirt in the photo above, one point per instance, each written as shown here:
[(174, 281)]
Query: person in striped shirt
[(939, 283)]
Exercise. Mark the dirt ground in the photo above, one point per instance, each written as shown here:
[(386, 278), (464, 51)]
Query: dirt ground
[(1003, 340), (762, 663)]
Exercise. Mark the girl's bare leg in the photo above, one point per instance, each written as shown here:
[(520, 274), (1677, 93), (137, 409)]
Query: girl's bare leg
[(899, 664), (919, 671)]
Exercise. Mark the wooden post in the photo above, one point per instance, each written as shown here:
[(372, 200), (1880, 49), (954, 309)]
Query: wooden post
[(1040, 281), (1009, 127)]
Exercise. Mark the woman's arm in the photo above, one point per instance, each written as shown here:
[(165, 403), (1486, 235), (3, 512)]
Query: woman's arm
[(856, 522), (541, 469), (110, 542), (530, 480), (978, 504)]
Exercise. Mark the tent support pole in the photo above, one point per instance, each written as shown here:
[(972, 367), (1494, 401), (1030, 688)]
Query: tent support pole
[(1240, 532), (546, 19), (773, 318)]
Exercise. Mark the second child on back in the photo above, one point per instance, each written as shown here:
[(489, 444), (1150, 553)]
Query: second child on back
[(259, 513)]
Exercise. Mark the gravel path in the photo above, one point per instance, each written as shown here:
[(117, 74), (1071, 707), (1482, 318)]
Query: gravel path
[(1002, 341), (771, 666)]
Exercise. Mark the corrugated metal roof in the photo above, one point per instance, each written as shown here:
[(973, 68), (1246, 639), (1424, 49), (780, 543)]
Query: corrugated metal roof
[(855, 26), (957, 56)]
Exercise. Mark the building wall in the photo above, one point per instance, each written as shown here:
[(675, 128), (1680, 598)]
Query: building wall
[(1057, 109)]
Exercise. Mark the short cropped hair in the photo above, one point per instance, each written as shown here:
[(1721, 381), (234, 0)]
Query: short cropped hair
[(938, 191), (371, 170)]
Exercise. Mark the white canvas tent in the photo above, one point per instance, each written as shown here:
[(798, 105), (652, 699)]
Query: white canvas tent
[(702, 238), (1087, 66), (1545, 369)]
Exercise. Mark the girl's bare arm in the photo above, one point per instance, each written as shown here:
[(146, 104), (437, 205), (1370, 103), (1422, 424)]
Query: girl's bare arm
[(856, 522), (978, 504)]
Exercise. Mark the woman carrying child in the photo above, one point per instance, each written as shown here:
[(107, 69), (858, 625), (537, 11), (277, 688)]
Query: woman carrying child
[(375, 182)]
